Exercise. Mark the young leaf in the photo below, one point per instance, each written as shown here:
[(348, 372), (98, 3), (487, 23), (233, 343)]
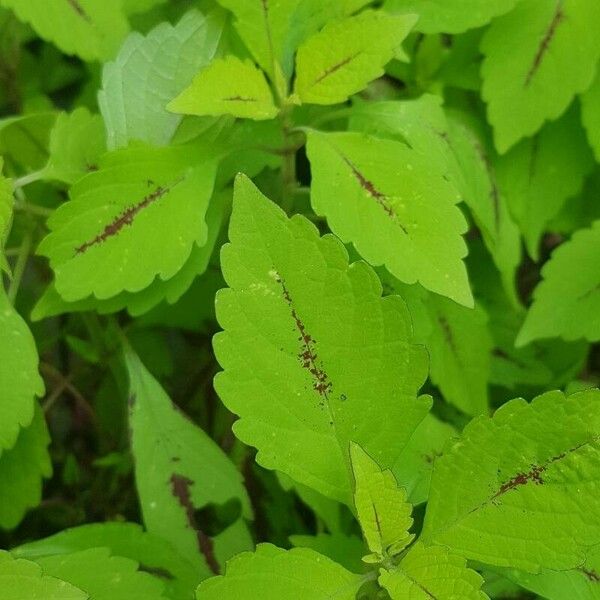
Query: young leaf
[(567, 301), (381, 506), (537, 79), (92, 30), (539, 174), (20, 381), (590, 115), (136, 218), (492, 489), (21, 471), (24, 580), (179, 470), (227, 86), (451, 16), (384, 198), (150, 71), (346, 55), (76, 142), (432, 572), (273, 573), (154, 555), (333, 362)]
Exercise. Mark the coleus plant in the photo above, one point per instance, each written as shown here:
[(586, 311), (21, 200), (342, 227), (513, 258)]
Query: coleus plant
[(387, 224)]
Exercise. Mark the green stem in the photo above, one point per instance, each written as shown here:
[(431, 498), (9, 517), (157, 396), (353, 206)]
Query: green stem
[(32, 209), (29, 178), (20, 265), (288, 167), (334, 115)]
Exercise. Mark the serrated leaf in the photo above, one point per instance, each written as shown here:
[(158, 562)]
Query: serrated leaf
[(271, 572), (344, 549), (90, 29), (538, 175), (381, 505), (432, 572), (342, 58), (102, 576), (227, 86), (76, 142), (21, 471), (24, 580), (154, 555), (134, 219), (590, 115), (179, 470), (385, 199), (492, 489), (567, 301), (150, 71), (20, 381), (333, 362), (24, 140), (536, 80), (451, 16)]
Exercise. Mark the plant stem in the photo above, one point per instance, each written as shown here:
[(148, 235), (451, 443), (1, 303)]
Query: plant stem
[(29, 178), (32, 209), (20, 265), (288, 167)]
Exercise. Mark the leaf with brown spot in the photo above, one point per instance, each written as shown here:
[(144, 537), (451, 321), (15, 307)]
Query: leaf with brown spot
[(491, 489)]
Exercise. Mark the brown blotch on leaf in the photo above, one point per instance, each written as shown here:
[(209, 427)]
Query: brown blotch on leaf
[(333, 69), (545, 43), (590, 574), (74, 4)]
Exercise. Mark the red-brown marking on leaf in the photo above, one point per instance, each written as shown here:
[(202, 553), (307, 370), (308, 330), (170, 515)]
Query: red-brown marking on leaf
[(127, 217), (590, 574), (494, 192), (379, 196), (74, 4), (239, 99), (180, 488), (308, 354), (333, 69), (545, 43)]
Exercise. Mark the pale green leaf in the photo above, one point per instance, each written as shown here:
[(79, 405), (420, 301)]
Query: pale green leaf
[(21, 471), (128, 540), (553, 56), (432, 572), (227, 86), (270, 572), (313, 357), (134, 219), (347, 54), (150, 71), (381, 505), (539, 174), (90, 29), (384, 198), (23, 580), (76, 142), (451, 16), (590, 115), (179, 470), (102, 576), (567, 301), (493, 490), (20, 381)]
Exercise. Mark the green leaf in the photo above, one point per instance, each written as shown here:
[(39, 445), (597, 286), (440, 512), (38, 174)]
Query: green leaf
[(345, 550), (396, 210), (102, 576), (567, 301), (24, 140), (271, 572), (539, 174), (154, 555), (150, 71), (313, 357), (21, 471), (381, 505), (492, 489), (590, 115), (90, 29), (76, 142), (180, 470), (451, 16), (24, 580), (347, 54), (432, 572), (136, 218), (6, 212), (227, 86), (553, 56), (20, 381)]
